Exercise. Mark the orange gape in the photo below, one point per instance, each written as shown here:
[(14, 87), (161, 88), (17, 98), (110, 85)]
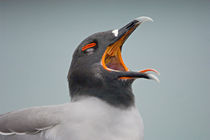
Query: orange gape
[(146, 70), (88, 46)]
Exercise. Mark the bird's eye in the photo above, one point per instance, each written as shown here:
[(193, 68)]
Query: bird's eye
[(89, 48)]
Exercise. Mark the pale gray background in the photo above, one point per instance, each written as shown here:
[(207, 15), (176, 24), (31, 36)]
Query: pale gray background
[(38, 37)]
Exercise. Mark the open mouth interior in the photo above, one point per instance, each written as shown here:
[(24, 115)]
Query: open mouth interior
[(112, 59)]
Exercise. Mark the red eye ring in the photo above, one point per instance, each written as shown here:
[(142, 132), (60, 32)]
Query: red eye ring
[(88, 46)]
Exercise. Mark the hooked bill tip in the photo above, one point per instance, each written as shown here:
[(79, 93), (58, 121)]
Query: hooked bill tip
[(153, 77), (143, 19)]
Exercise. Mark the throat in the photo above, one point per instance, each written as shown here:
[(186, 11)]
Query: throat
[(104, 87), (114, 64), (119, 99)]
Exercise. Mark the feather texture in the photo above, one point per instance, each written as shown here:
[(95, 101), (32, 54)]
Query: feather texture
[(87, 119)]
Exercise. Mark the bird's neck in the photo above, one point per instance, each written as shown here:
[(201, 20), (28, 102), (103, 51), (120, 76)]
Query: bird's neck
[(122, 98)]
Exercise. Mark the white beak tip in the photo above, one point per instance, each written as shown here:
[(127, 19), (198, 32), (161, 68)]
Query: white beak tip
[(143, 19), (153, 77)]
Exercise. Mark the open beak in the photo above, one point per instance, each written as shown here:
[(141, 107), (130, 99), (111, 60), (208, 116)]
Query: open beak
[(112, 60)]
